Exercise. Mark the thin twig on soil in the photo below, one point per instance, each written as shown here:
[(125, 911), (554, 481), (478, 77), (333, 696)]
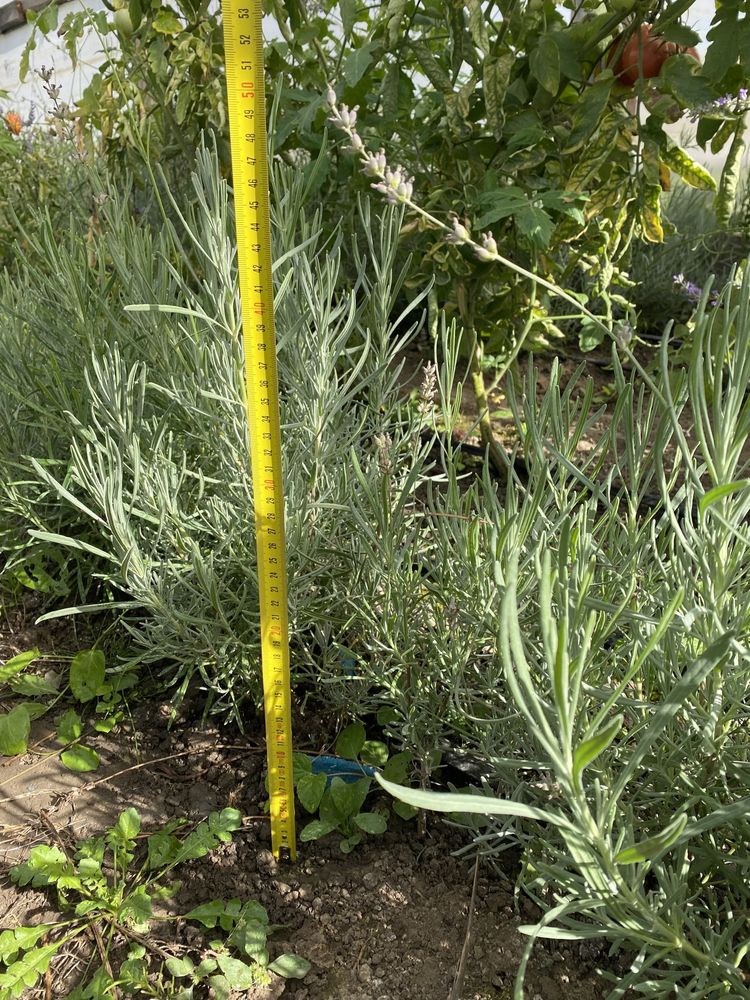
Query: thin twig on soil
[(458, 982), (118, 774)]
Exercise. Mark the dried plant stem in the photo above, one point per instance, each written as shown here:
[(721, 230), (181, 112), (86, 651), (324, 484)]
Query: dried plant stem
[(458, 982)]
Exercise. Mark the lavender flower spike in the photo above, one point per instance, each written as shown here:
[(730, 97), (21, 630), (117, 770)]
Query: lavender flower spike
[(459, 234), (692, 292), (488, 250), (375, 164), (395, 186), (344, 118)]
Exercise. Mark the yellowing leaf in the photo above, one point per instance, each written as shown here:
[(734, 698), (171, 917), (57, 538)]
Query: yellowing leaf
[(686, 167)]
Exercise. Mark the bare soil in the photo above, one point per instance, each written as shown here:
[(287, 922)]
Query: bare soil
[(387, 922)]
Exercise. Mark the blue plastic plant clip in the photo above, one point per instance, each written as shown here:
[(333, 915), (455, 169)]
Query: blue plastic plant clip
[(337, 767)]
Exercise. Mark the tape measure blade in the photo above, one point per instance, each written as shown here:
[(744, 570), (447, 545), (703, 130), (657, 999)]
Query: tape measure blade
[(243, 46)]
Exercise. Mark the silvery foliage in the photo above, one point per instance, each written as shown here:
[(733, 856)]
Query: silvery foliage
[(124, 423), (621, 646)]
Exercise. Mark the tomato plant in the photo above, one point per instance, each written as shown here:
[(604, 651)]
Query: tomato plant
[(642, 54)]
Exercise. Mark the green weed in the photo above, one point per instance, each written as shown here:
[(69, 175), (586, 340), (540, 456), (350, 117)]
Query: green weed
[(106, 889)]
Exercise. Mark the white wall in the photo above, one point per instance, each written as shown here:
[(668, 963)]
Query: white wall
[(49, 52)]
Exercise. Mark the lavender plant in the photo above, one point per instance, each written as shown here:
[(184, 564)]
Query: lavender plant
[(127, 461), (621, 634)]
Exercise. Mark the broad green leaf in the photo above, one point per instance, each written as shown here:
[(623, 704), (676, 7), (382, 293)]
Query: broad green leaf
[(180, 967), (724, 36), (252, 910), (358, 62), (223, 824), (397, 767), (47, 19), (80, 758), (20, 939), (93, 848), (301, 763), (404, 810), (478, 26), (183, 103), (374, 752), (544, 63), (351, 741), (44, 865), (86, 906), (374, 823), (689, 89), (107, 724), (15, 727), (730, 176), (387, 716), (99, 988), (133, 972), (315, 830), (348, 9), (207, 913), (587, 752), (722, 132), (347, 845), (681, 34), (128, 825), (24, 972), (499, 204), (310, 789), (221, 987), (290, 966), (162, 849), (719, 492), (251, 937), (433, 70), (32, 686), (16, 664), (651, 848), (495, 75), (694, 174), (587, 113), (34, 709), (349, 797), (136, 908), (456, 802), (23, 66), (239, 974), (534, 222), (87, 674), (167, 22), (69, 727), (392, 17)]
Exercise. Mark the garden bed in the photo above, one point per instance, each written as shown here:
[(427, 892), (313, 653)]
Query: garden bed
[(387, 922)]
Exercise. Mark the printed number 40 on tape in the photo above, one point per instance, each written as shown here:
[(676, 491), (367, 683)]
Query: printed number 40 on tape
[(243, 45)]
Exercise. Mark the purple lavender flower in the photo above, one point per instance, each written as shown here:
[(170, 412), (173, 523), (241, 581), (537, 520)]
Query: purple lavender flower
[(692, 292), (722, 107)]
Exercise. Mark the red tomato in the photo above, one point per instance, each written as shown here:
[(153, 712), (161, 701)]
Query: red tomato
[(643, 55)]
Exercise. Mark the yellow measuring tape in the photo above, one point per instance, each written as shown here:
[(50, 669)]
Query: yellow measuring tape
[(243, 46)]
